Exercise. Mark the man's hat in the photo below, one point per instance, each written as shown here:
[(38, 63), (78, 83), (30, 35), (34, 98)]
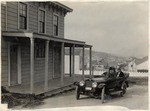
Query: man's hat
[(111, 68)]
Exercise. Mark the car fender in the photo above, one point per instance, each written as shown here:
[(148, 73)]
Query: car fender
[(76, 83)]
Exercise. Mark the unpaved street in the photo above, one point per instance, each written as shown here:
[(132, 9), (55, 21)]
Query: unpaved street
[(136, 98)]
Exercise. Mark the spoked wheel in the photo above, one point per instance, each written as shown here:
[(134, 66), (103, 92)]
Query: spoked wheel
[(77, 93), (103, 95), (124, 89)]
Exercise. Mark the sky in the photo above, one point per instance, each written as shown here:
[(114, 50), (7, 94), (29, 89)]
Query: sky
[(119, 28)]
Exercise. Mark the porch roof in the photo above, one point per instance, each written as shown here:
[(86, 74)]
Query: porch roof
[(68, 42)]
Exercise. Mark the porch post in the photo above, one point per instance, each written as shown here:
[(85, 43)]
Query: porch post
[(70, 61), (46, 64), (31, 65), (73, 62), (83, 61), (90, 61), (62, 64)]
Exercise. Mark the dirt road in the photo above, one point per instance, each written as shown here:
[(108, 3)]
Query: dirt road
[(136, 98)]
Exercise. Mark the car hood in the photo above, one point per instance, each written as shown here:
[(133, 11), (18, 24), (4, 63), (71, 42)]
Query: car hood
[(101, 79)]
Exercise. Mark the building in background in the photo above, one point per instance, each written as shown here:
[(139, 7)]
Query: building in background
[(143, 67)]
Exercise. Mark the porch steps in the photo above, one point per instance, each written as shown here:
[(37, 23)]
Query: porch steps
[(57, 91)]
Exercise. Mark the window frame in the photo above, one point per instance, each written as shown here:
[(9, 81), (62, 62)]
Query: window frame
[(27, 16), (54, 14), (41, 9), (42, 55)]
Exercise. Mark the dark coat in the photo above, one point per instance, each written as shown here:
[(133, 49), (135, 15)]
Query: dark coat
[(120, 74)]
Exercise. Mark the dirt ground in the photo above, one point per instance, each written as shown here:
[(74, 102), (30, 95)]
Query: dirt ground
[(135, 98)]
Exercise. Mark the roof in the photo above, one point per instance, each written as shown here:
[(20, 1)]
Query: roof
[(68, 9), (69, 42), (140, 61), (143, 65), (63, 6)]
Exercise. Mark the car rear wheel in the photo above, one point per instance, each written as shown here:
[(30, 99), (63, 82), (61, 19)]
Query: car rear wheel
[(77, 93), (124, 89)]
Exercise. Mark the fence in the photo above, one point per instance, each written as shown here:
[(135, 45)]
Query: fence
[(134, 74)]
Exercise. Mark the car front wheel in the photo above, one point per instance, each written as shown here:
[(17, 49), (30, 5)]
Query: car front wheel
[(77, 93)]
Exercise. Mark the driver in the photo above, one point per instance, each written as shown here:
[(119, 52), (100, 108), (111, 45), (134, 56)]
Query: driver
[(111, 73)]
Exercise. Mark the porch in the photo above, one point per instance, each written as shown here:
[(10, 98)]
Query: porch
[(45, 83), (53, 84)]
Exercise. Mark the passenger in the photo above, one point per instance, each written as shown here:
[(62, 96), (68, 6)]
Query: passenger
[(120, 73)]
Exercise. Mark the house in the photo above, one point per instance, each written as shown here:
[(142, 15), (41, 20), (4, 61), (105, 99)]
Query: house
[(33, 43), (132, 66), (143, 67), (138, 65)]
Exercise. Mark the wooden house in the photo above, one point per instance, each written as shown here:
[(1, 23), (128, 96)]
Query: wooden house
[(32, 47)]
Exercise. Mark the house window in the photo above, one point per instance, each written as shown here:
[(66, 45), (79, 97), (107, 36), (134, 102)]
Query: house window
[(41, 21), (22, 16), (39, 50), (55, 23)]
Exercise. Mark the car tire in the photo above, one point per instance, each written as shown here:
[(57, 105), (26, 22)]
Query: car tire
[(103, 95), (124, 89), (77, 93)]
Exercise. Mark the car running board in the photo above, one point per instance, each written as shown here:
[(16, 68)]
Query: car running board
[(115, 92)]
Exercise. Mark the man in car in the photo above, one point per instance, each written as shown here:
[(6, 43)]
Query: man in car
[(111, 76), (111, 73), (120, 73)]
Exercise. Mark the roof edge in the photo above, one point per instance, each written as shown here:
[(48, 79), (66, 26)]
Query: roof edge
[(63, 6)]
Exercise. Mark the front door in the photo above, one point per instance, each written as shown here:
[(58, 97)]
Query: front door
[(13, 65), (57, 62)]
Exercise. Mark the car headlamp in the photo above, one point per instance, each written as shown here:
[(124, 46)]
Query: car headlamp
[(81, 83), (94, 84)]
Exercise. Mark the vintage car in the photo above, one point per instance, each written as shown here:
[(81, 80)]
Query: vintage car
[(98, 86)]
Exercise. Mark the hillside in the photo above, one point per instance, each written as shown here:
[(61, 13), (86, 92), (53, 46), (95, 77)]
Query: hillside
[(107, 58), (100, 57)]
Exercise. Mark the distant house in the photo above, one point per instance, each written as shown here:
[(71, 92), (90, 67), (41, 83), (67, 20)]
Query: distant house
[(143, 67), (138, 65), (132, 66), (68, 65), (99, 67), (32, 43)]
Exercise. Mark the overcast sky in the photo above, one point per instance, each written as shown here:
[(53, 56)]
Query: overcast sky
[(119, 28)]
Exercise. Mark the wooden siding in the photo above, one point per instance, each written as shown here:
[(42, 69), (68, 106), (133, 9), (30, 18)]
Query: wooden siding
[(39, 65), (3, 17), (25, 61), (61, 26), (49, 22), (12, 25), (33, 18), (39, 70), (4, 55), (12, 18)]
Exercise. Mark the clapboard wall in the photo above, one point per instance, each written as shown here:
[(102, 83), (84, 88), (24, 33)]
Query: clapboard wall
[(10, 14), (9, 22)]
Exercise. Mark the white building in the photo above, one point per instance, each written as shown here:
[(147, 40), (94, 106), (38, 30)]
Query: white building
[(132, 66), (67, 64), (143, 66)]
